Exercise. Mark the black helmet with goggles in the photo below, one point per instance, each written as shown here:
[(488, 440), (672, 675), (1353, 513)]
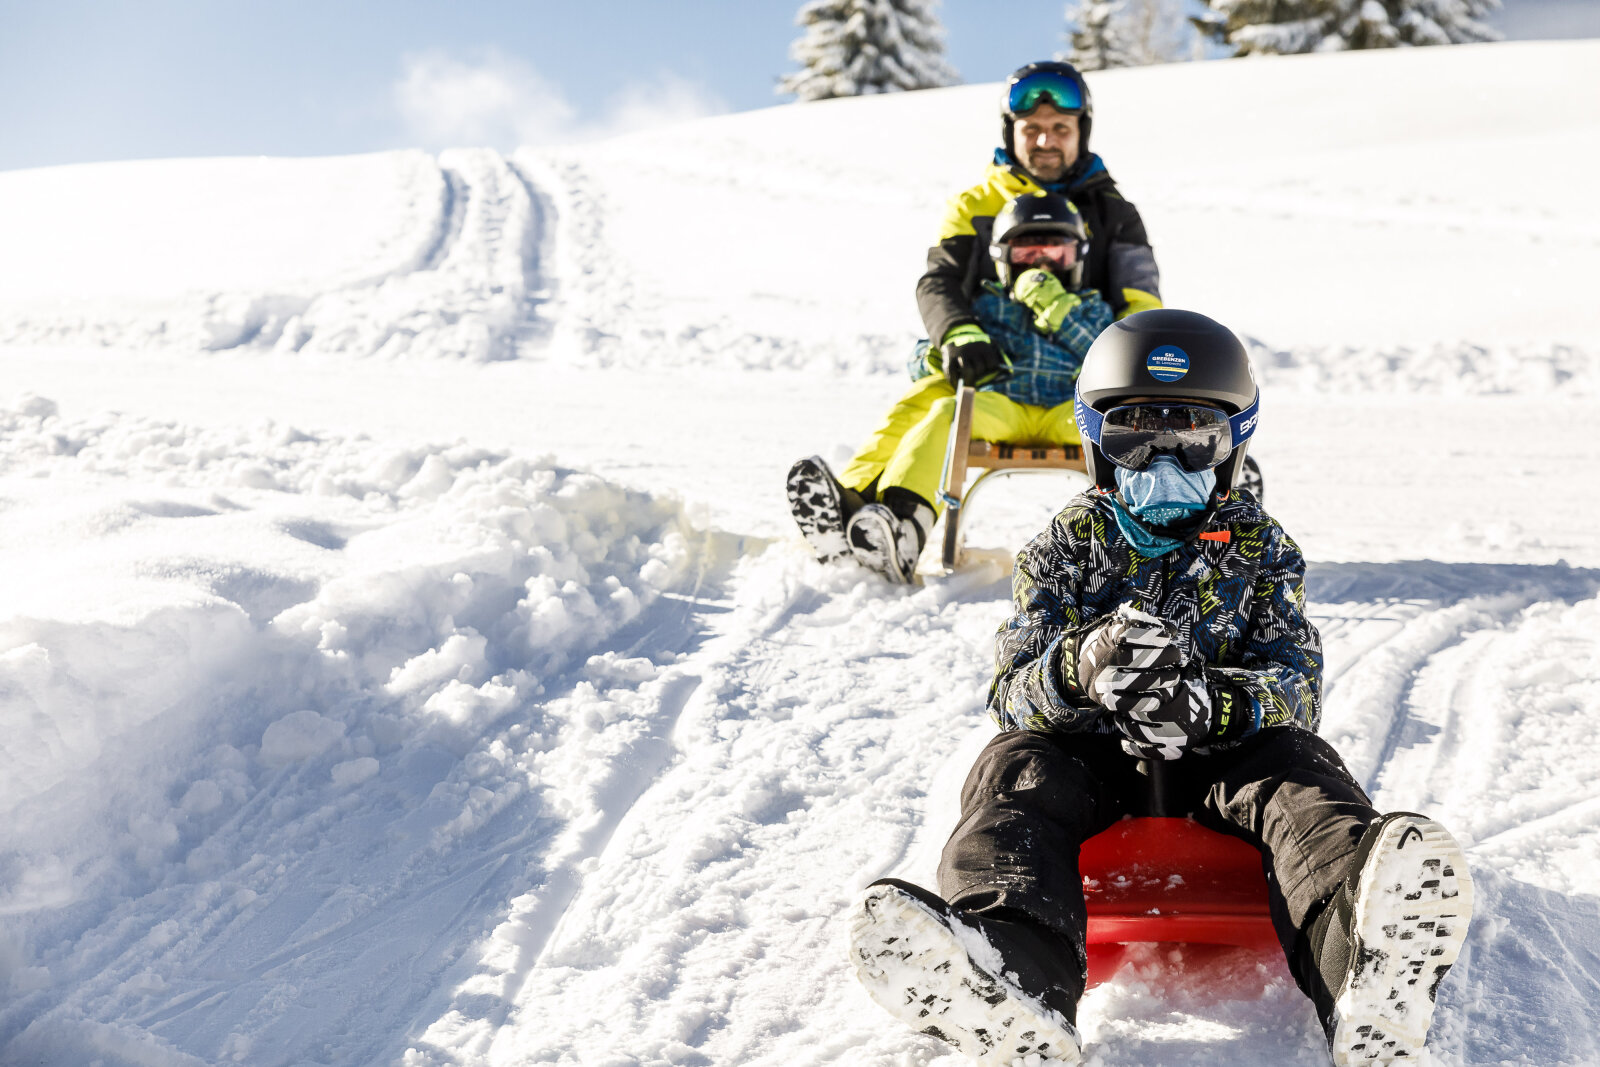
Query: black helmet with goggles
[(1039, 230), (1166, 382)]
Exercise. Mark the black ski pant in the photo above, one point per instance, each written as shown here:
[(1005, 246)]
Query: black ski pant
[(1033, 798)]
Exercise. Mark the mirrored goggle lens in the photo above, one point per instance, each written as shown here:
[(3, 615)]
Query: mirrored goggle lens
[(1133, 436), (1046, 86), (1057, 255)]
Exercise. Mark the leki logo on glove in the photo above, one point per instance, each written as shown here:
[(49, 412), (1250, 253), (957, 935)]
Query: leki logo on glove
[(1167, 363)]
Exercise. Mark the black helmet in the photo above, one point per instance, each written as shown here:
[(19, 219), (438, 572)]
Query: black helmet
[(1169, 353), (1054, 221), (1017, 96)]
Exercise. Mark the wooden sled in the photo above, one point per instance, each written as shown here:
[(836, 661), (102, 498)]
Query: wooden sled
[(995, 459)]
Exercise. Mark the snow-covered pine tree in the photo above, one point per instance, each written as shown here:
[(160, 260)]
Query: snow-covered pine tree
[(855, 47), (1095, 38), (1124, 33), (1282, 26)]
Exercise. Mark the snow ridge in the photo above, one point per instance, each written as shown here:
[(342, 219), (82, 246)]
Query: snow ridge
[(1442, 369), (244, 786)]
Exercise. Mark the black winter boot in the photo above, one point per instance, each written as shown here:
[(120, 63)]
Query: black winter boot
[(1387, 938), (987, 986), (888, 537), (821, 507)]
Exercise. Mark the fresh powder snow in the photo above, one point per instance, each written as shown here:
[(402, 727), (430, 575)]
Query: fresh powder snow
[(407, 656)]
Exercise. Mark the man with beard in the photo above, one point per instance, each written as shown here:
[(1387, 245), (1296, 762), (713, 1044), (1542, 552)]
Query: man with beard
[(1046, 120)]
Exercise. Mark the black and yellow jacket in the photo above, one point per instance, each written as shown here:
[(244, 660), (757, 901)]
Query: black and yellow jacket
[(1121, 263)]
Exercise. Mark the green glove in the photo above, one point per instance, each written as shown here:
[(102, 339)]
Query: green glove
[(1043, 294)]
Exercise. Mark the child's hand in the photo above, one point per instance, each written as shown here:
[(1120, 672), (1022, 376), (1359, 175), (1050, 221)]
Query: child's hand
[(1168, 729), (1130, 662), (1043, 294)]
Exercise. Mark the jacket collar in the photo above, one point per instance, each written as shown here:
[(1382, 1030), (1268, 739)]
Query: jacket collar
[(1082, 175), (1236, 508)]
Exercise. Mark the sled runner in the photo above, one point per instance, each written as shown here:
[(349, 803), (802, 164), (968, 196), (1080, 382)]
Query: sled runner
[(962, 452)]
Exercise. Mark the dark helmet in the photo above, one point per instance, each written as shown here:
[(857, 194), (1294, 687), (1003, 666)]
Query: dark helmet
[(1051, 219), (1169, 353), (1055, 80)]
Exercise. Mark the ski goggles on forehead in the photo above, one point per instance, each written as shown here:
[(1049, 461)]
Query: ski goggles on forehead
[(1060, 254), (1044, 87), (1198, 437)]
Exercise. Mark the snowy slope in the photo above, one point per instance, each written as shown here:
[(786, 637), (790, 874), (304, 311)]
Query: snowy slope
[(1364, 203), (479, 706), (362, 255)]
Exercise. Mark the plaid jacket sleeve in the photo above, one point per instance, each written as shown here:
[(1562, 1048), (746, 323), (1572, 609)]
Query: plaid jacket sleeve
[(1036, 649), (1086, 322), (1278, 679)]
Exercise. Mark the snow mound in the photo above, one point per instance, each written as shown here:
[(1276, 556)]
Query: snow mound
[(353, 658)]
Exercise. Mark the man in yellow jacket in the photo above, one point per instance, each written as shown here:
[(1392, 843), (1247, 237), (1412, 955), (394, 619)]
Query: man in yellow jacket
[(1046, 120)]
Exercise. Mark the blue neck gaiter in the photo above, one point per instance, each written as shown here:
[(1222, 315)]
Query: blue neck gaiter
[(1162, 494)]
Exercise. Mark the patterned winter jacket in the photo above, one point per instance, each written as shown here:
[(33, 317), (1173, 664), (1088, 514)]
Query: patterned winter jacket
[(1239, 605)]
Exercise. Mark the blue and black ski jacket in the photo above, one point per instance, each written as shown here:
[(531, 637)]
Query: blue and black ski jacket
[(1237, 596)]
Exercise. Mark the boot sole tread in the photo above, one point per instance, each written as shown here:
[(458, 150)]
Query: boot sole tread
[(1413, 905), (917, 969)]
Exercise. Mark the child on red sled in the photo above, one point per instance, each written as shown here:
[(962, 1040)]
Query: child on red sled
[(1161, 616)]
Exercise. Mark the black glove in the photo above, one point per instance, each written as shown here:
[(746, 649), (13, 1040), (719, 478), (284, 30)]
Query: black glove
[(971, 358), (1166, 730), (1130, 661)]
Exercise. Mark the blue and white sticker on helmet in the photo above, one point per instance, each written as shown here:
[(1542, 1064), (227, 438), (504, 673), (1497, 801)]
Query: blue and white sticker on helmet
[(1167, 363)]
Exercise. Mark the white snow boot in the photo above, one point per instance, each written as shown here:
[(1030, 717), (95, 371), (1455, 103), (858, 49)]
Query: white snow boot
[(888, 537), (1403, 914), (936, 970), (820, 506)]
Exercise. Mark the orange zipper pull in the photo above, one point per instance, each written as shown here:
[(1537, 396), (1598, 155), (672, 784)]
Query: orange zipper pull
[(1217, 535)]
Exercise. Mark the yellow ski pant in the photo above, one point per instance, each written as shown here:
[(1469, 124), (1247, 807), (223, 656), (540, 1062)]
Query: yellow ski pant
[(918, 463), (869, 463), (915, 461)]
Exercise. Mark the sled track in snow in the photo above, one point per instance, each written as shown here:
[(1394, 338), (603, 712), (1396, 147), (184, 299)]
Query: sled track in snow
[(1383, 624), (538, 257), (452, 211), (1457, 690), (645, 764)]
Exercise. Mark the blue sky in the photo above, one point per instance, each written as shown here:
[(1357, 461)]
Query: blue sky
[(86, 80)]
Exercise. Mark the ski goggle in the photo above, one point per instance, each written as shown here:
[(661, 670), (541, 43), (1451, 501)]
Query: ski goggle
[(1198, 437), (1057, 253), (1044, 87)]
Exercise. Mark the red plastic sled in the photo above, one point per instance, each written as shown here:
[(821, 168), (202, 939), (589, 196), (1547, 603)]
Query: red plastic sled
[(1170, 880)]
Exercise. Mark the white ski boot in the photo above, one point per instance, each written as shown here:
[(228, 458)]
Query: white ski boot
[(1408, 918), (939, 974)]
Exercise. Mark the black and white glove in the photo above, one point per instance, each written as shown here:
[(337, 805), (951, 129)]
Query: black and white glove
[(1131, 661), (1132, 665), (1167, 730)]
